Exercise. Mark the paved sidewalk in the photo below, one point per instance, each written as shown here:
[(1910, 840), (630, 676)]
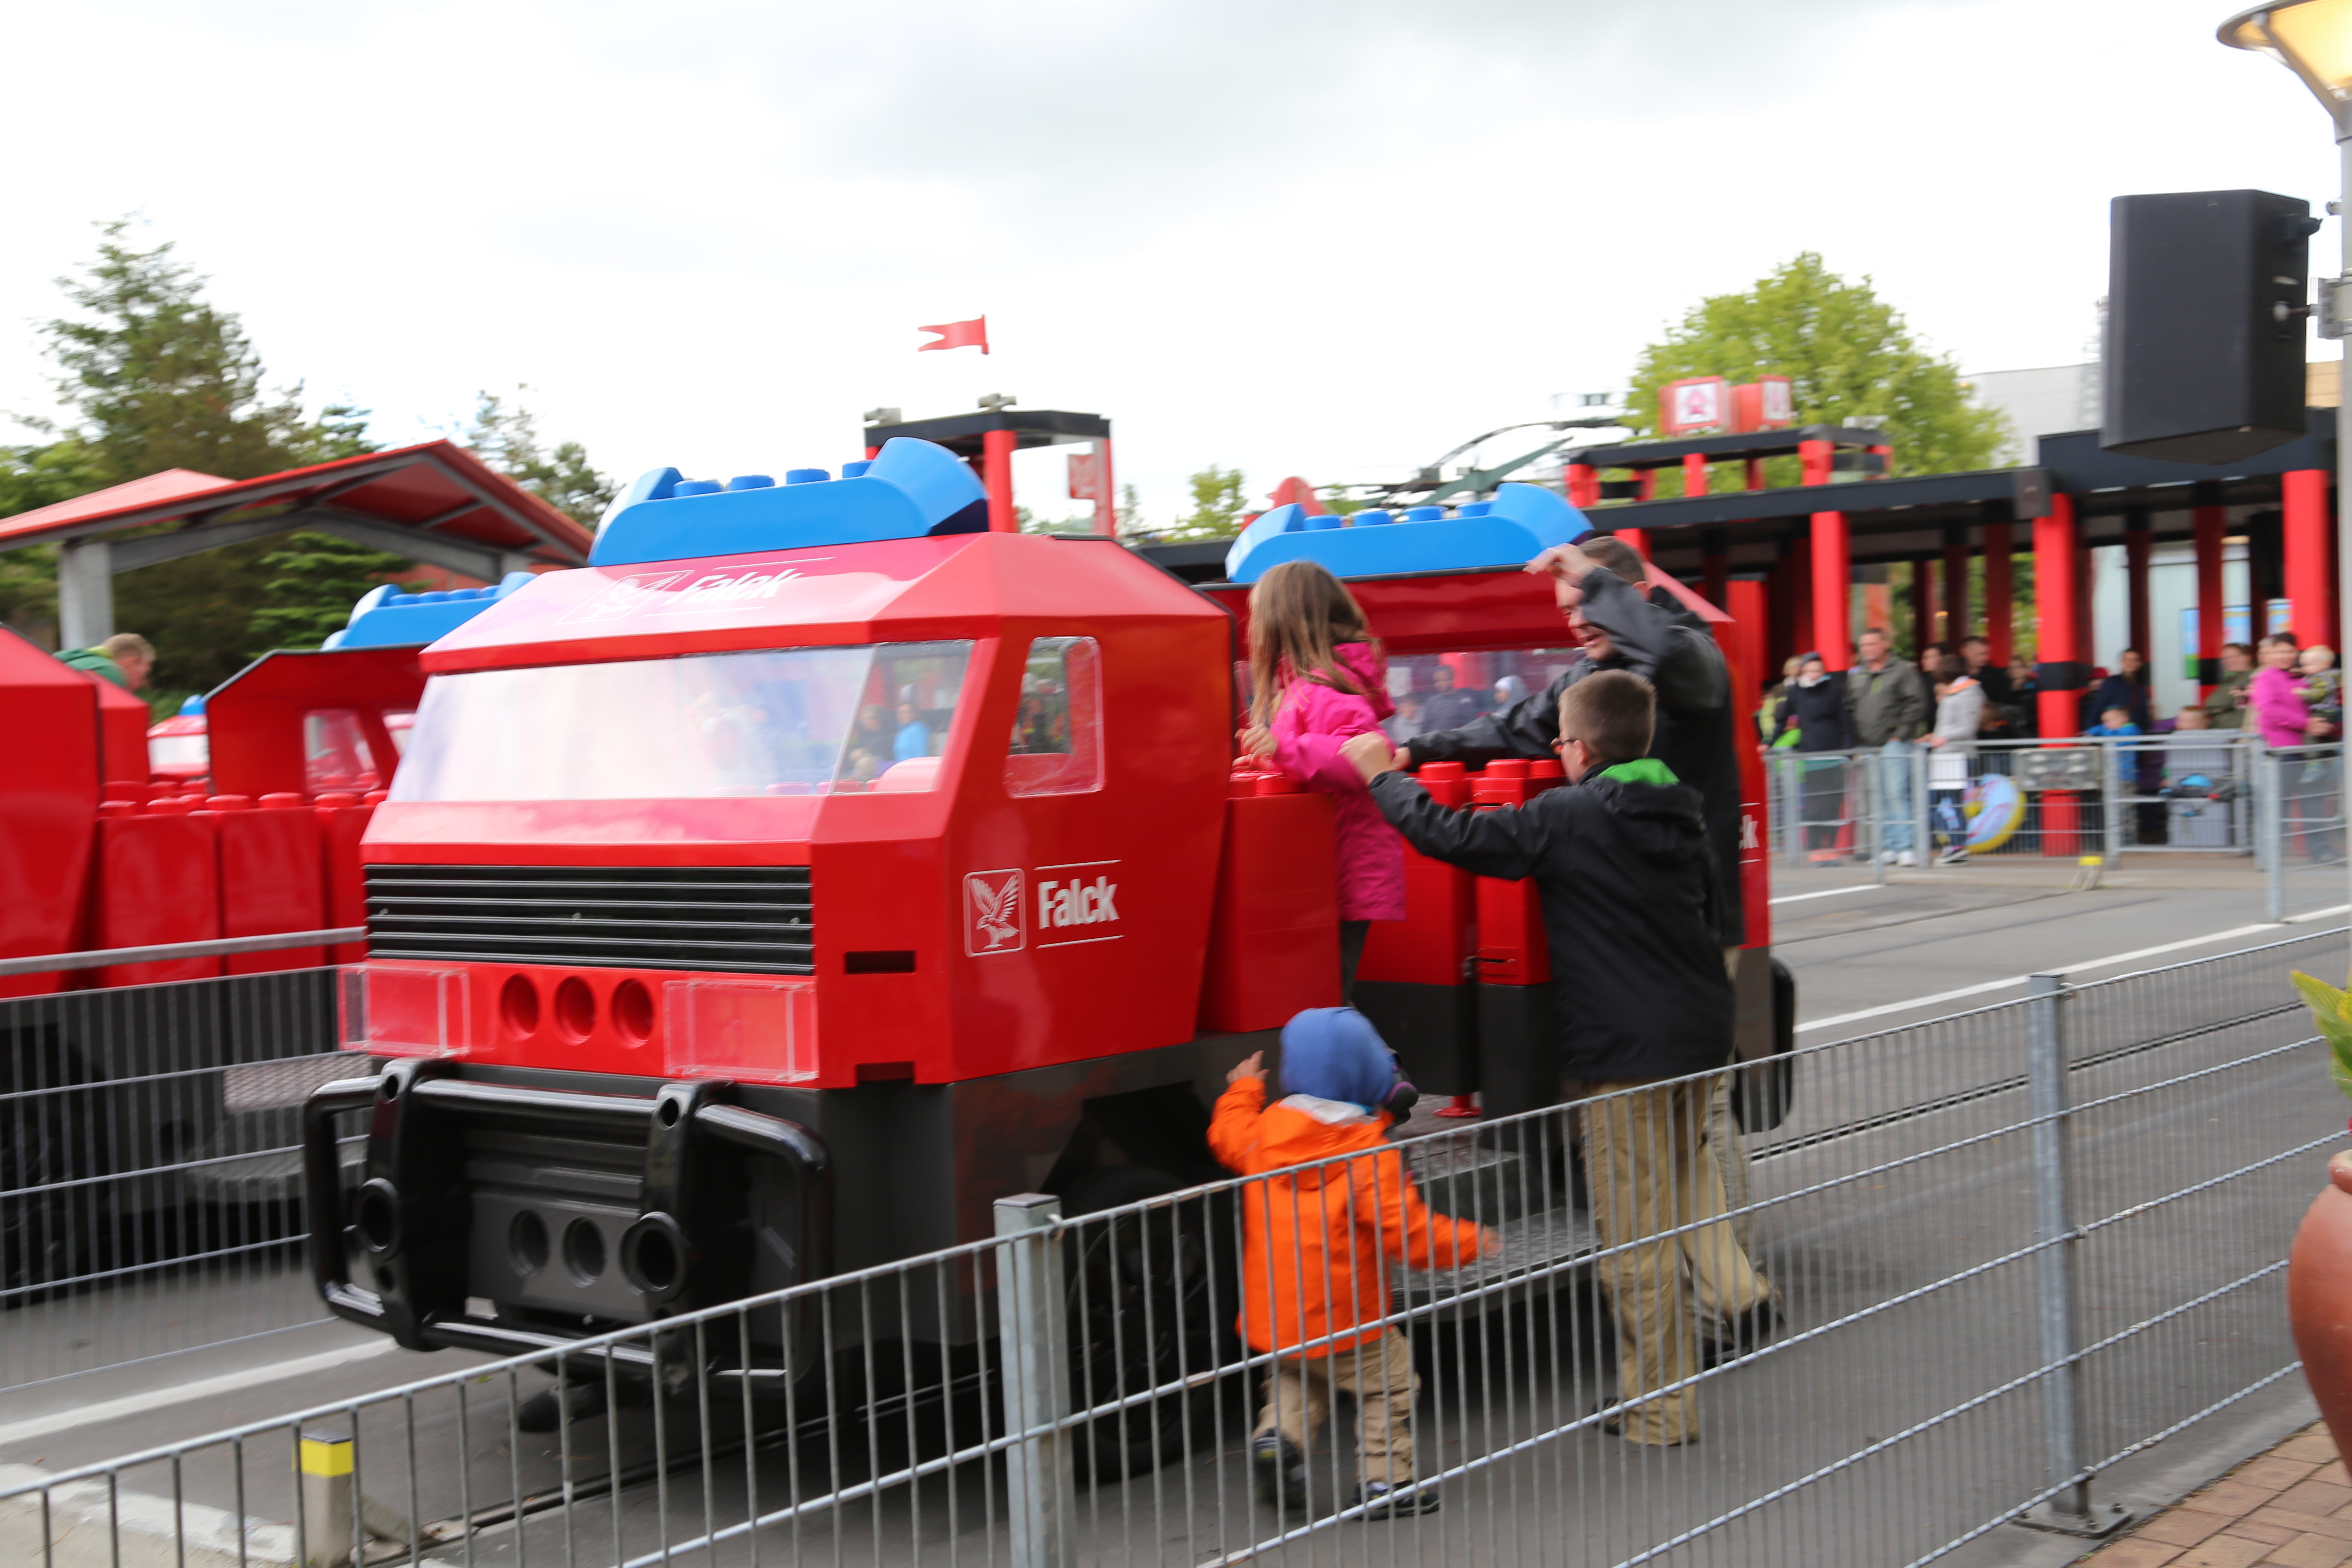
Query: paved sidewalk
[(2292, 1506)]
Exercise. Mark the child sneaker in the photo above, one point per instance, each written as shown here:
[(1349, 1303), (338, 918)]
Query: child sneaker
[(1383, 1503), (1278, 1471)]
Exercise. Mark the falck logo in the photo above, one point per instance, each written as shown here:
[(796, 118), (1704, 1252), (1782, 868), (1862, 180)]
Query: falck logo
[(994, 915), (689, 592)]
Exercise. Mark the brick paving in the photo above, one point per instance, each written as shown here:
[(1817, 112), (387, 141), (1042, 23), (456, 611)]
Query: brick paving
[(2291, 1506)]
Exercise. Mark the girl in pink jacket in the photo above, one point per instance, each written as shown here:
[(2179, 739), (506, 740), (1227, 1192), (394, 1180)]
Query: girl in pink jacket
[(1318, 677)]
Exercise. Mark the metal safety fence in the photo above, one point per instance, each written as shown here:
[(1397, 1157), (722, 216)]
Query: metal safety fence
[(2196, 792), (1958, 1272), (150, 1167)]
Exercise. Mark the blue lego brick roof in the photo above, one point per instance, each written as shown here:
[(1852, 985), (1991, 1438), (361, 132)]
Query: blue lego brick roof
[(911, 489), (1521, 523), (385, 619)]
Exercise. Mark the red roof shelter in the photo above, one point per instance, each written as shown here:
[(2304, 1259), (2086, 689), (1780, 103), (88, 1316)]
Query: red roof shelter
[(435, 503)]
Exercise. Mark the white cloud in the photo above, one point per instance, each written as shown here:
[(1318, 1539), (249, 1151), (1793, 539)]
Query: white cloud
[(1317, 237)]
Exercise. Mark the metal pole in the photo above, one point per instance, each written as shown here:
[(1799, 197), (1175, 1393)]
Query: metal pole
[(1922, 837), (2071, 1511), (2343, 207), (2111, 786), (1033, 1324), (2269, 834)]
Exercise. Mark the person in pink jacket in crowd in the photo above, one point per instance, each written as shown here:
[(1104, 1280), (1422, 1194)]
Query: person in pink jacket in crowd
[(1318, 677), (2279, 712)]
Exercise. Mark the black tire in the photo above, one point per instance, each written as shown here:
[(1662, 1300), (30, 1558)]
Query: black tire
[(1144, 1311)]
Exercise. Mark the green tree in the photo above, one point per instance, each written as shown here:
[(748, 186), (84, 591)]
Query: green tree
[(1218, 503), (1848, 355), (154, 377), (508, 439), (320, 578)]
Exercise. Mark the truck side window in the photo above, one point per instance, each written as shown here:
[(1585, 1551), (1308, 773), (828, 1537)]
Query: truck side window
[(1056, 746), (335, 751)]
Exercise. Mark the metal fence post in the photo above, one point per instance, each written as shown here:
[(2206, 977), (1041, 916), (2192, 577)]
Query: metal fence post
[(1032, 1321), (1923, 820), (2270, 846), (2111, 787), (2072, 1511), (1873, 807)]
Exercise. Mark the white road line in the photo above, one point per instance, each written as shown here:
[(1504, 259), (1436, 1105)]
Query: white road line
[(181, 1393), (1827, 893), (1988, 985)]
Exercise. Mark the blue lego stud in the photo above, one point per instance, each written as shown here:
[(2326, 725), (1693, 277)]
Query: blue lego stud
[(912, 489), (1518, 524), (191, 707), (386, 618)]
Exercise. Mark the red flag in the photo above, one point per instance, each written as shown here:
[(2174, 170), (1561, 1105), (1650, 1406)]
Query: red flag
[(972, 334)]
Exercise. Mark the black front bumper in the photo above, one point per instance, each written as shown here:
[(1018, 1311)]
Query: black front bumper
[(688, 1205)]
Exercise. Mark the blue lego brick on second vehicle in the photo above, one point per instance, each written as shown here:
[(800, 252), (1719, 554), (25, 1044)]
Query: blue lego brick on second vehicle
[(911, 489), (1521, 522), (383, 618)]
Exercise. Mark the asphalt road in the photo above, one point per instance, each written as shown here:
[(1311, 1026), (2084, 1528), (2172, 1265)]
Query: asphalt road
[(1865, 959)]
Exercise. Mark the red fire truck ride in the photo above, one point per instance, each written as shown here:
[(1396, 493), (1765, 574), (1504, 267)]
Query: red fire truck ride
[(817, 867)]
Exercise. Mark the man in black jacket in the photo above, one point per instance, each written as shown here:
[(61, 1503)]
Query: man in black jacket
[(1621, 860), (1624, 624)]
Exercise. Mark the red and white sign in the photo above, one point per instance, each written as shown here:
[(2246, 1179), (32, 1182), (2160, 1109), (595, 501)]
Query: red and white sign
[(1077, 903), (1086, 476), (1697, 402), (994, 916), (689, 591)]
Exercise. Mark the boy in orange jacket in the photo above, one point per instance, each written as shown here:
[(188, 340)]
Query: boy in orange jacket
[(1316, 1244)]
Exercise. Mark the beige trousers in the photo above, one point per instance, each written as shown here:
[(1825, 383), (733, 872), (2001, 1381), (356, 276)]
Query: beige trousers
[(1646, 1162), (1379, 1374)]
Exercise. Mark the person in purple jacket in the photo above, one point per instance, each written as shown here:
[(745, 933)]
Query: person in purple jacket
[(1318, 677)]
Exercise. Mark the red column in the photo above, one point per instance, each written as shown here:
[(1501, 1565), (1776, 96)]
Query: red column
[(1887, 455), (996, 473), (1583, 484), (1999, 591), (1694, 474), (1923, 603), (1648, 480), (2085, 628), (1754, 473), (1833, 588), (1639, 538), (2140, 542), (1715, 566), (872, 453), (1801, 633), (2310, 585), (1813, 457), (1956, 624), (2210, 525), (2058, 647), (1106, 492)]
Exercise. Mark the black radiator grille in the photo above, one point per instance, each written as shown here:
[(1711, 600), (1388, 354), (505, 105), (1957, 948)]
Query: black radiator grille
[(746, 918)]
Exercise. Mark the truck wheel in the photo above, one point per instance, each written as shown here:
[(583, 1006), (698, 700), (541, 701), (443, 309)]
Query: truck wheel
[(1143, 1314)]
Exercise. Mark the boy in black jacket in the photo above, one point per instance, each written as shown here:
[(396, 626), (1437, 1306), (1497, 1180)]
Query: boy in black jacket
[(1628, 884)]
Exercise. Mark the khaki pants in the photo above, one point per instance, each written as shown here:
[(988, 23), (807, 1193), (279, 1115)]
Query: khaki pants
[(1647, 1164), (1379, 1373), (1723, 1270)]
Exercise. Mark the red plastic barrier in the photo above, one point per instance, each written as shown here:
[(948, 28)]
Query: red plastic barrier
[(1440, 928), (1273, 933), (342, 820), (1512, 947), (272, 877), (158, 881)]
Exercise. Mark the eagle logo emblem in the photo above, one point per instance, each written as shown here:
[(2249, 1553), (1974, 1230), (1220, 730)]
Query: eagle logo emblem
[(993, 914)]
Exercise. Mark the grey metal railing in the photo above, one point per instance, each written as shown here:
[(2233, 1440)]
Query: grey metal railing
[(2209, 792), (2005, 1250), (149, 1173)]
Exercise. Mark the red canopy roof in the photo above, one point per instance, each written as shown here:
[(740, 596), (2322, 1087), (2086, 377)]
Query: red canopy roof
[(437, 502)]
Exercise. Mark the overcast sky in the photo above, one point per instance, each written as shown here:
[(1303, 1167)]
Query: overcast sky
[(1329, 238)]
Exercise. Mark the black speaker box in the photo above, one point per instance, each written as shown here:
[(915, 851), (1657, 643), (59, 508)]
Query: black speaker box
[(2207, 322)]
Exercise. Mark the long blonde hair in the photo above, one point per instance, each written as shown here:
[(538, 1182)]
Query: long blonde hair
[(1299, 615)]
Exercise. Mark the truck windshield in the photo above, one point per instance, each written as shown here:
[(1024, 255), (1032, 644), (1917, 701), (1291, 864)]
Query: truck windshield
[(807, 721)]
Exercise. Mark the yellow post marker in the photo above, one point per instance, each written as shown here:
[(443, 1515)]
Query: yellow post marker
[(325, 1461)]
